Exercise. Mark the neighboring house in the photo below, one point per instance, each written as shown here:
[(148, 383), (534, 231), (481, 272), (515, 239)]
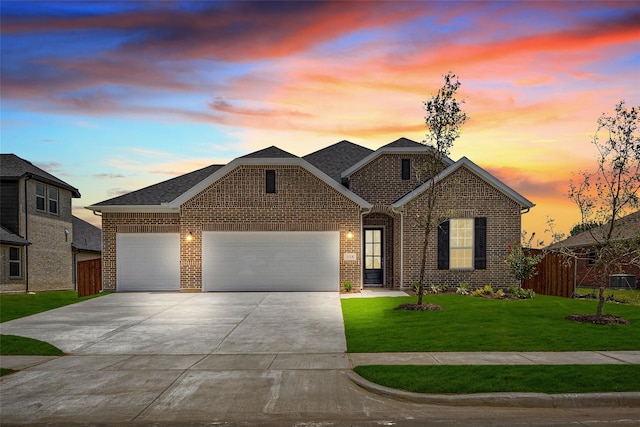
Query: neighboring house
[(274, 221), (37, 229), (586, 245)]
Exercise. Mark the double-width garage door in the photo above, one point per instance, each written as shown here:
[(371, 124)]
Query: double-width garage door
[(148, 261), (271, 261)]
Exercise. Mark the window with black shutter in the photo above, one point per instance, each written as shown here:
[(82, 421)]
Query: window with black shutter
[(443, 246), (480, 244), (406, 169), (270, 179)]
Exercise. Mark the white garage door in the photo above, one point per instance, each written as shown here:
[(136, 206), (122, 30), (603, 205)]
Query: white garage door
[(148, 261), (271, 261)]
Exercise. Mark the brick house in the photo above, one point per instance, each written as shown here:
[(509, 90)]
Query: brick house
[(274, 221), (37, 230)]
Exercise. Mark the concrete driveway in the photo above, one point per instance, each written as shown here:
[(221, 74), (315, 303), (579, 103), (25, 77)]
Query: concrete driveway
[(216, 358)]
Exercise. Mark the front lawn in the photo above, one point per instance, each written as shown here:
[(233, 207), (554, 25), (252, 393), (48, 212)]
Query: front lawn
[(13, 345), (14, 306), (477, 324), (447, 379)]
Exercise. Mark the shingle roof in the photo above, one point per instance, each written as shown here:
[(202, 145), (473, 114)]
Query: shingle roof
[(9, 238), (626, 227), (86, 237), (162, 192), (14, 167), (403, 142), (336, 158), (272, 152)]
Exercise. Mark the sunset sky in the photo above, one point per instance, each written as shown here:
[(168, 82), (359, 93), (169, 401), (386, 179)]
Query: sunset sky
[(115, 96)]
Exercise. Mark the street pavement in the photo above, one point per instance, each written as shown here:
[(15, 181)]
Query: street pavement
[(237, 359)]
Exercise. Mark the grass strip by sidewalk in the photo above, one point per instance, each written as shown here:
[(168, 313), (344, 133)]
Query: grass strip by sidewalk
[(15, 306), (476, 324), (552, 379), (5, 371), (13, 345)]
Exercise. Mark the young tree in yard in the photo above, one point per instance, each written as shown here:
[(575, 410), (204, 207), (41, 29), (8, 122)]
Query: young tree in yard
[(444, 118), (611, 192)]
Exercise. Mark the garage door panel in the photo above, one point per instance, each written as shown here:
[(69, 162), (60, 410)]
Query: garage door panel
[(267, 261), (148, 261)]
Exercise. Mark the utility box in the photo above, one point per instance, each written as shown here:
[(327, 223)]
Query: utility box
[(623, 281)]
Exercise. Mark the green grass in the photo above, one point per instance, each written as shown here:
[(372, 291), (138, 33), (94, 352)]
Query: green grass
[(446, 379), (13, 345), (5, 371), (626, 296), (477, 324), (20, 305)]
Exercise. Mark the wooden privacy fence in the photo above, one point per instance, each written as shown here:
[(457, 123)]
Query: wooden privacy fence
[(556, 275), (89, 277)]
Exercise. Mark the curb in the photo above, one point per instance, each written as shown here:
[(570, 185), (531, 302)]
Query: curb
[(520, 400)]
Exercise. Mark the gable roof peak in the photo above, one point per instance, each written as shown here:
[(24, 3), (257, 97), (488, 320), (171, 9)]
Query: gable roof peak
[(272, 152), (404, 143)]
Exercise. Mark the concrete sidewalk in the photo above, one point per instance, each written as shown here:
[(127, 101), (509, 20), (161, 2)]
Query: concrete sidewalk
[(498, 358)]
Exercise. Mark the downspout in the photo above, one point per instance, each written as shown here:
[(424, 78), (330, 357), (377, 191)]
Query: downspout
[(26, 235)]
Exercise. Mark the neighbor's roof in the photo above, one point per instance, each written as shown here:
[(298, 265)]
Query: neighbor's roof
[(9, 238), (336, 158), (625, 228), (86, 237), (13, 167), (484, 175), (272, 152)]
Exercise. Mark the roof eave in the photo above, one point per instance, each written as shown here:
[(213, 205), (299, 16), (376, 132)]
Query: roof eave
[(487, 177), (164, 208)]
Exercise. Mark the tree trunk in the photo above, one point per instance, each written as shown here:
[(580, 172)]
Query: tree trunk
[(600, 303), (423, 264)]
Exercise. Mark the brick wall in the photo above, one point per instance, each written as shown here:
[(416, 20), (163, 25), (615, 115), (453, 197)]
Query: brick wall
[(380, 182), (50, 257), (238, 202), (465, 196)]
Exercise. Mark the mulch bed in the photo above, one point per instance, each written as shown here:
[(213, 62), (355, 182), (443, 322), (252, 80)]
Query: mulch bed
[(418, 307), (605, 319)]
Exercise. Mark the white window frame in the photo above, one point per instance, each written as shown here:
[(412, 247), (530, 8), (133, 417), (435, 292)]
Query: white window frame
[(47, 199), (42, 196), (51, 200), (461, 243), (15, 261)]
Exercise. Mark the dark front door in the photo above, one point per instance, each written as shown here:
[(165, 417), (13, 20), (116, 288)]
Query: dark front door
[(373, 256)]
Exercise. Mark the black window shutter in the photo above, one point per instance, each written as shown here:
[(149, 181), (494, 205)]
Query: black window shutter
[(271, 181), (443, 246), (480, 244), (406, 169)]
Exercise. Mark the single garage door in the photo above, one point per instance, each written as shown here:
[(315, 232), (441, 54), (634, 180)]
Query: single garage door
[(271, 261), (148, 261)]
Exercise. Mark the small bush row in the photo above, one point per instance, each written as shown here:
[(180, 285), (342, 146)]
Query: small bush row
[(464, 288)]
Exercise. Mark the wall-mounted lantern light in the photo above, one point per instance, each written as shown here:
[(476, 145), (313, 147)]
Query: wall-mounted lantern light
[(349, 234), (189, 237)]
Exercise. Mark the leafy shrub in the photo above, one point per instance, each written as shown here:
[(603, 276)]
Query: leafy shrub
[(499, 294), (463, 289), (348, 286), (444, 288), (477, 293), (415, 285), (487, 290), (436, 289)]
